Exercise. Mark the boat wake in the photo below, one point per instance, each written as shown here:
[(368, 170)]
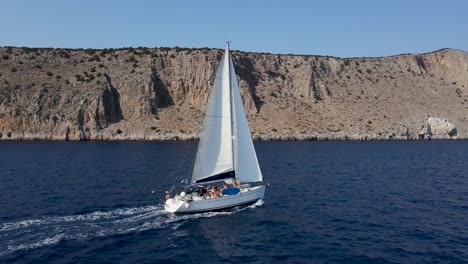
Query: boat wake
[(258, 203), (47, 231)]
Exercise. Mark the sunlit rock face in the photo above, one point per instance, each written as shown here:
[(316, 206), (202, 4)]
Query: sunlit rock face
[(161, 93), (438, 128)]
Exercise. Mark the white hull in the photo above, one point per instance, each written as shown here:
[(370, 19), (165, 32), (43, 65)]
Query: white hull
[(245, 196)]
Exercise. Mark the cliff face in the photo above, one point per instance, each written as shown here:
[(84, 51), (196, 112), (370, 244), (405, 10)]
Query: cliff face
[(161, 93)]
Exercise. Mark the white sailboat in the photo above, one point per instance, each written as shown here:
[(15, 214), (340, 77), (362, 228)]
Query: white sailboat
[(225, 152)]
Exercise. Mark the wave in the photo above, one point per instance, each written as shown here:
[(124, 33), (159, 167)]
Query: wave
[(258, 203), (35, 233)]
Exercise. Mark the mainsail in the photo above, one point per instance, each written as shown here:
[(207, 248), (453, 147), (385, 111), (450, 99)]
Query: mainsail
[(226, 148)]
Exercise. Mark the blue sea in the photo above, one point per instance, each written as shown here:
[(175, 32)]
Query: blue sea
[(328, 202)]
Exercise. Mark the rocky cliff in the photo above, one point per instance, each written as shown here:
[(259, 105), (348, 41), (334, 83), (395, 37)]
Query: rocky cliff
[(161, 93)]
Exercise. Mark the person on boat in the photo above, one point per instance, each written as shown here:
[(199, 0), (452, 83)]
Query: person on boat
[(211, 192), (215, 192), (238, 185), (202, 191), (168, 195), (225, 186)]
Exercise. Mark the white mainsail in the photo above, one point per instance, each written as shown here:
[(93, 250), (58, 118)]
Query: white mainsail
[(225, 142), (214, 154)]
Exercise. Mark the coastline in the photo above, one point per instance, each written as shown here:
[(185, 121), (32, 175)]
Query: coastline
[(256, 137), (160, 94)]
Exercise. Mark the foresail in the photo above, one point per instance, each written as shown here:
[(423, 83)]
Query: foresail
[(215, 154), (246, 164)]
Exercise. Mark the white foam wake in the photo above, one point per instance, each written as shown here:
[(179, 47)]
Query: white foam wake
[(35, 233), (258, 203)]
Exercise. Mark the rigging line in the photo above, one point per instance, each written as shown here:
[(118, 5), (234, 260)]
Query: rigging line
[(231, 105), (194, 159), (177, 175), (163, 201)]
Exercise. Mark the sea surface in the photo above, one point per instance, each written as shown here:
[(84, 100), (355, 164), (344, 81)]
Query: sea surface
[(328, 202)]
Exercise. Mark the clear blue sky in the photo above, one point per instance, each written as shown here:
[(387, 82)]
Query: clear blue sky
[(338, 28)]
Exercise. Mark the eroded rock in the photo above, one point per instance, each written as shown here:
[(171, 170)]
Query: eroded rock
[(438, 128)]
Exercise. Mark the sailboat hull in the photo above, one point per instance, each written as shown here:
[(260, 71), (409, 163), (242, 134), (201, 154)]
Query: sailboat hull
[(246, 196)]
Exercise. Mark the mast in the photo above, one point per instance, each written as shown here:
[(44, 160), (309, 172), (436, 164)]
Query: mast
[(231, 106)]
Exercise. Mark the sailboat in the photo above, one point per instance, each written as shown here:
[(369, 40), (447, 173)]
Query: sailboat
[(225, 154)]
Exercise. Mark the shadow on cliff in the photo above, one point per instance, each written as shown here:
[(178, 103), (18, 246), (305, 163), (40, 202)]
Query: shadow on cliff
[(111, 103), (320, 75), (245, 68), (162, 97)]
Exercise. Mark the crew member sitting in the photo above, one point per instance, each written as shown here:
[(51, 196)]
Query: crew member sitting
[(238, 185), (203, 191), (215, 192), (168, 196)]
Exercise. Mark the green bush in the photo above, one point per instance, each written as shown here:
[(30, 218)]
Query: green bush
[(90, 51), (97, 58), (64, 54), (132, 59), (79, 78)]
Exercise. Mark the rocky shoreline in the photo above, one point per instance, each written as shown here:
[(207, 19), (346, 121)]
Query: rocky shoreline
[(269, 137), (161, 94)]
